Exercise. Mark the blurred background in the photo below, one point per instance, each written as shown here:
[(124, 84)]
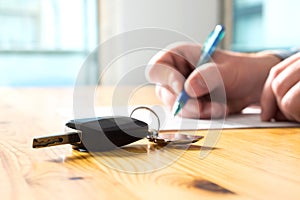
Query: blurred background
[(45, 42)]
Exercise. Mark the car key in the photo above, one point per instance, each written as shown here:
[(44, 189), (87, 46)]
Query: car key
[(107, 133)]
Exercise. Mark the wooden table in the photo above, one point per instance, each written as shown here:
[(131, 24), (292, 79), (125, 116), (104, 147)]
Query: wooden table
[(245, 163)]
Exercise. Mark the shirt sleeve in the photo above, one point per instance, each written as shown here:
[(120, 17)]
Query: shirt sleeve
[(284, 53)]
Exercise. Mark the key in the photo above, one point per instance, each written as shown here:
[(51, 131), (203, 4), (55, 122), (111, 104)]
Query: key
[(174, 139), (53, 140), (107, 133)]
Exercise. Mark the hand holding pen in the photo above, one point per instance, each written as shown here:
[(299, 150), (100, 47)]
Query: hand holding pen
[(208, 49), (242, 74)]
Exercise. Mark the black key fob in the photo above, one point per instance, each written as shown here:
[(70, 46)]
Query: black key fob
[(107, 133)]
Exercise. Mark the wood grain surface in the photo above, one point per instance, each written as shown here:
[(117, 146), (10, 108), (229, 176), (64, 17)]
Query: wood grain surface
[(244, 164)]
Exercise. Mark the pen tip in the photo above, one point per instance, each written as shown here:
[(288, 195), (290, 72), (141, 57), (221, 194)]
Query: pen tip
[(176, 109)]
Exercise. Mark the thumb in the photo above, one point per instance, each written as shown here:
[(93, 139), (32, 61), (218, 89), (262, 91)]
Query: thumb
[(203, 80)]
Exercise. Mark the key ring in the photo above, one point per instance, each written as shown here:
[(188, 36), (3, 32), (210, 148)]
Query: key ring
[(163, 139), (150, 110), (153, 133)]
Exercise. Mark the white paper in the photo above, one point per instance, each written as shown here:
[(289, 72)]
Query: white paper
[(249, 118)]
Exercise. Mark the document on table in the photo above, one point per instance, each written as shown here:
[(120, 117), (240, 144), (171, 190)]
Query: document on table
[(249, 118)]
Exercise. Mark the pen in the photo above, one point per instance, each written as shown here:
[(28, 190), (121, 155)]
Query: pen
[(208, 49)]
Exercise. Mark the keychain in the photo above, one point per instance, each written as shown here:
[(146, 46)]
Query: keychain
[(107, 133)]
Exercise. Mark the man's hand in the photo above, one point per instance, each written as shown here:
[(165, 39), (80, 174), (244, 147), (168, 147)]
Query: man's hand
[(242, 76), (281, 94)]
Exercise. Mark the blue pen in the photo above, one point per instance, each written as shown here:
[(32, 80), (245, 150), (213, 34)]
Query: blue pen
[(208, 49)]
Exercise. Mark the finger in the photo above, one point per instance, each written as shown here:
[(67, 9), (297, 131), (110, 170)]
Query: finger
[(166, 76), (181, 57), (203, 80), (285, 63), (167, 96), (201, 109), (191, 109), (268, 101), (286, 79), (290, 103)]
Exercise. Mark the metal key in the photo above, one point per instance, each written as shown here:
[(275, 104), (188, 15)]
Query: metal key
[(53, 140)]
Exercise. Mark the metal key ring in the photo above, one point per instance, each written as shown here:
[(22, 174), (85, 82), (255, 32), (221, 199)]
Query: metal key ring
[(149, 109)]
